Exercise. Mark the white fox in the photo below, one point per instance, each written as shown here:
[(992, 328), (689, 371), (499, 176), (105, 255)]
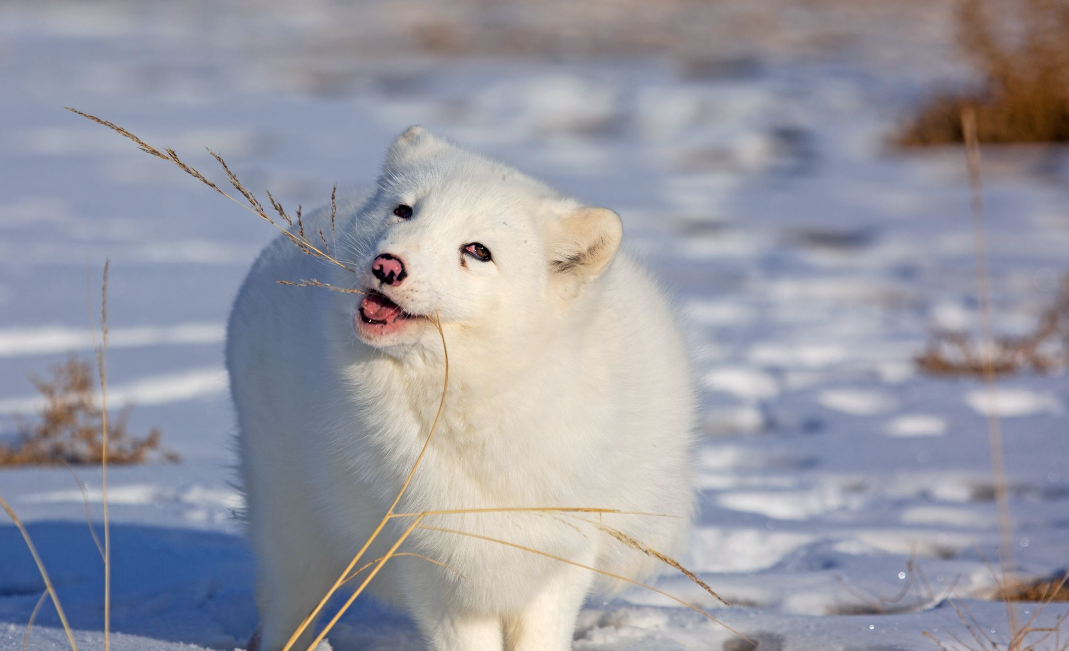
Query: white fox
[(569, 386)]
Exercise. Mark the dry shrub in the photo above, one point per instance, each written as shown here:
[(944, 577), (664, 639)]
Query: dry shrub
[(1045, 591), (1025, 633), (71, 425), (1022, 52), (1045, 349)]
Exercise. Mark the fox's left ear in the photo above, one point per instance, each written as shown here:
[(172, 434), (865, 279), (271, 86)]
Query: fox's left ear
[(415, 141), (582, 244)]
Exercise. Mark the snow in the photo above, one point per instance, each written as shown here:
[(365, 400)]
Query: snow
[(808, 260), (44, 340)]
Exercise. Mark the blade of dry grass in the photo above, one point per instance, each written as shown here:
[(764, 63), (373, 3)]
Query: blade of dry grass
[(144, 146), (399, 554), (252, 204), (1005, 575), (315, 283), (33, 618), (386, 518), (85, 502), (628, 541), (101, 355), (277, 205), (585, 567), (40, 568), (529, 509), (1022, 632), (356, 593), (333, 214), (983, 290)]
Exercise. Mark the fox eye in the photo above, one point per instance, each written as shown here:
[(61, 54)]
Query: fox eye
[(403, 211), (477, 251)]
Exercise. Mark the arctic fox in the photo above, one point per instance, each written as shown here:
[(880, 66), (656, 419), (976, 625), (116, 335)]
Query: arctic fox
[(569, 386)]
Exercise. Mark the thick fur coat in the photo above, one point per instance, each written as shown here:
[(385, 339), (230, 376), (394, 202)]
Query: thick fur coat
[(569, 386)]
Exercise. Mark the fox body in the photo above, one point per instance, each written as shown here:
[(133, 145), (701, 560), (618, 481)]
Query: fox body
[(568, 387)]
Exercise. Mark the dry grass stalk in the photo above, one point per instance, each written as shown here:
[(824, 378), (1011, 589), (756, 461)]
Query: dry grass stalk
[(560, 559), (916, 583), (382, 524), (1024, 636), (1024, 96), (252, 204), (371, 564), (33, 618), (1005, 577), (101, 355), (628, 541), (88, 516), (72, 427), (41, 568), (144, 146), (983, 292), (82, 375), (333, 215), (529, 509), (315, 283)]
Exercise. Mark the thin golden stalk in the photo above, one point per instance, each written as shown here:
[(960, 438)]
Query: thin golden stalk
[(33, 618), (983, 290), (356, 593), (530, 509), (628, 541), (277, 205), (386, 518), (585, 567), (370, 564), (315, 283), (85, 502), (253, 204), (145, 147), (101, 352), (333, 214), (41, 568)]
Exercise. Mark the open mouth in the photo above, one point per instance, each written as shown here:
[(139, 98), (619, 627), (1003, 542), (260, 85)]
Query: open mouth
[(377, 309), (378, 315)]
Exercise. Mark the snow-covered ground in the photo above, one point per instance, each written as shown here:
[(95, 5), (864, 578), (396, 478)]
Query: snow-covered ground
[(808, 258)]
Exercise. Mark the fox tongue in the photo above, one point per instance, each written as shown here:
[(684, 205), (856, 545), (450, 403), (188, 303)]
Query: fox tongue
[(377, 307)]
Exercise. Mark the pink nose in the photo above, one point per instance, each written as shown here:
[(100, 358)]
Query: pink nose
[(389, 269)]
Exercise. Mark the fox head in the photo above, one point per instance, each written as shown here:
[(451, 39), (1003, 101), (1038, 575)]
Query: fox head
[(501, 259)]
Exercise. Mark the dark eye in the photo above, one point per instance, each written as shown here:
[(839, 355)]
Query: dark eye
[(403, 211), (477, 251)]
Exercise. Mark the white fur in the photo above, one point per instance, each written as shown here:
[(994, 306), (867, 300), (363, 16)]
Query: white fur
[(568, 387)]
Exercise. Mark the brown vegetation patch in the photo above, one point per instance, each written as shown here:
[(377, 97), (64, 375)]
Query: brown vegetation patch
[(1043, 350), (71, 425), (1044, 591), (1022, 54)]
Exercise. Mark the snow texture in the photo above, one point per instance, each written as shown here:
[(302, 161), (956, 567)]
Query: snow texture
[(807, 258)]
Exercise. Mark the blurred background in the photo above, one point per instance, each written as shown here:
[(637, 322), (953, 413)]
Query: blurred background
[(791, 169)]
